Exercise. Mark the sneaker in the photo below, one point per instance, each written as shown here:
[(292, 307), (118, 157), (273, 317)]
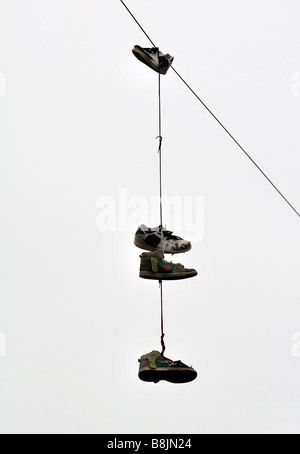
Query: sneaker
[(154, 367), (154, 58), (153, 266), (149, 239)]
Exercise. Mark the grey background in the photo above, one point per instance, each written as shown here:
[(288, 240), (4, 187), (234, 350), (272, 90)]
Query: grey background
[(78, 122)]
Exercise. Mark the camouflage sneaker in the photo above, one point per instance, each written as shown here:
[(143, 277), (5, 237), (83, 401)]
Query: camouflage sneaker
[(153, 58), (153, 266), (154, 367), (149, 239)]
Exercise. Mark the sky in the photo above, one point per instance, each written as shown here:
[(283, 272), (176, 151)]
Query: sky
[(79, 173)]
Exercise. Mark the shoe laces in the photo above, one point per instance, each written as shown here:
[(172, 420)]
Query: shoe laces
[(179, 265), (152, 50), (169, 235), (169, 361)]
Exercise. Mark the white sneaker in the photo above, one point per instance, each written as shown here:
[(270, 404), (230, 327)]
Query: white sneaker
[(153, 58), (151, 239)]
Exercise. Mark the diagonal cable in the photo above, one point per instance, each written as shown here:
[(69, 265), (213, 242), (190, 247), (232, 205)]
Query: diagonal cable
[(218, 121)]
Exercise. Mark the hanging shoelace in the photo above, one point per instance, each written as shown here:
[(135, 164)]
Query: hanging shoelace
[(169, 235)]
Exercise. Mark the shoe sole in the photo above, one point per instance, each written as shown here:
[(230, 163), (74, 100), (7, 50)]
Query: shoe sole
[(143, 58), (146, 247), (176, 376), (167, 276)]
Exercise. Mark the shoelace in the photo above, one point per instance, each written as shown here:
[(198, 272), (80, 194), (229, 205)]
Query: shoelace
[(169, 235), (163, 60), (152, 50), (177, 264)]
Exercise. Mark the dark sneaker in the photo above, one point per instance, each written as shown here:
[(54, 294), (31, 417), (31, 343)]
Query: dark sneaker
[(153, 266), (154, 368), (149, 239), (153, 58)]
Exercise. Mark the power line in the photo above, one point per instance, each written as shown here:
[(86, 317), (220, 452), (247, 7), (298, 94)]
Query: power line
[(138, 24), (218, 121), (237, 143)]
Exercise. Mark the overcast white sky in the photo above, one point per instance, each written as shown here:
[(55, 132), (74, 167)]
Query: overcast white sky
[(78, 121)]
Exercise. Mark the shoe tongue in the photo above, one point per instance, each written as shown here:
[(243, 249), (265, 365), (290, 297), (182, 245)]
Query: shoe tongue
[(154, 354), (144, 228)]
